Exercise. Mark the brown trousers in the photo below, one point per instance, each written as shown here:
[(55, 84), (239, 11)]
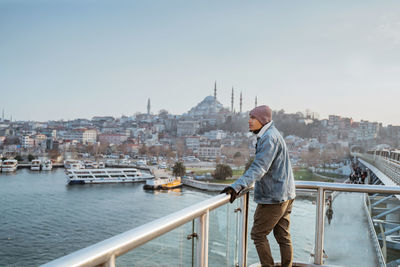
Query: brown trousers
[(268, 217)]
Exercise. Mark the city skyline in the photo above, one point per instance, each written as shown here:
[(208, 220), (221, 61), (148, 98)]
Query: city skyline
[(71, 59)]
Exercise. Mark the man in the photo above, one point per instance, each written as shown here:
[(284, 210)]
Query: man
[(274, 189)]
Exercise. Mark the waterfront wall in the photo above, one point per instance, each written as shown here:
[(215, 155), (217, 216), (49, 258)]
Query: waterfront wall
[(204, 185), (216, 187)]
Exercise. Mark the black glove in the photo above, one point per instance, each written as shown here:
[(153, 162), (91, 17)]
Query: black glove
[(231, 191)]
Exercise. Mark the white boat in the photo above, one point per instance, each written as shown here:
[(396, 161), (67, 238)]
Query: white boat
[(9, 165), (35, 164), (73, 163), (141, 162), (91, 165), (102, 165), (100, 176), (47, 165)]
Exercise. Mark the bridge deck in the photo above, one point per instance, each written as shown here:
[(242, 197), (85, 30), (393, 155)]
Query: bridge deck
[(347, 236), (386, 180)]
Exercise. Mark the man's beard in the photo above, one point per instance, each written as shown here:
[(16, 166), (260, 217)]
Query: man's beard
[(255, 131)]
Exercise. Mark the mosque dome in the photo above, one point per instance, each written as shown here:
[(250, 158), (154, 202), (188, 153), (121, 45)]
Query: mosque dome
[(209, 106)]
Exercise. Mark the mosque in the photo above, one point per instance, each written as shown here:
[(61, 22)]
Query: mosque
[(211, 107)]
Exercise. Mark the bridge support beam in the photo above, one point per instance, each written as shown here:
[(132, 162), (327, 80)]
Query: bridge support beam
[(382, 200), (386, 212)]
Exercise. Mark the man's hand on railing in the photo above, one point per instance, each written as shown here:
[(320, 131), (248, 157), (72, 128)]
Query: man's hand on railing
[(231, 191)]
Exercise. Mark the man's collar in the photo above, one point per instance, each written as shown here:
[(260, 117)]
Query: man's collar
[(264, 129)]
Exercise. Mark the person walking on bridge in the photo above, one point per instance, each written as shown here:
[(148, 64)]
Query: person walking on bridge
[(274, 188)]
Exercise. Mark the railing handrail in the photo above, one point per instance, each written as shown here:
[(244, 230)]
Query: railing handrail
[(106, 251), (361, 188)]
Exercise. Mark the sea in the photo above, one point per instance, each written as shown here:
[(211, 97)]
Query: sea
[(42, 218)]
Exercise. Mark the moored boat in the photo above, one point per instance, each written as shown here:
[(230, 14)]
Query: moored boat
[(35, 165), (47, 165), (100, 176), (73, 163), (9, 165), (91, 165), (163, 183)]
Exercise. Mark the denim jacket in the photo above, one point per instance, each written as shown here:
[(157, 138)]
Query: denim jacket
[(271, 170)]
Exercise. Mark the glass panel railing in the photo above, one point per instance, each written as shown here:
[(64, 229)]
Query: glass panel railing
[(223, 238), (171, 249), (302, 230)]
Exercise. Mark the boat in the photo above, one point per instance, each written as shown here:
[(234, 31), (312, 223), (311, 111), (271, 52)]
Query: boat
[(73, 163), (35, 165), (91, 165), (69, 162), (100, 176), (141, 162), (168, 182), (9, 165), (47, 165)]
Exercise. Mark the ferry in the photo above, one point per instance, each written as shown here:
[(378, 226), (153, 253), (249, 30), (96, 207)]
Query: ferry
[(35, 165), (47, 165), (100, 176), (9, 165), (163, 183)]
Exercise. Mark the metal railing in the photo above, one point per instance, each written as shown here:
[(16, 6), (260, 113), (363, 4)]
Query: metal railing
[(104, 253)]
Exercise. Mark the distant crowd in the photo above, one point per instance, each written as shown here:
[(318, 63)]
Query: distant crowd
[(358, 175)]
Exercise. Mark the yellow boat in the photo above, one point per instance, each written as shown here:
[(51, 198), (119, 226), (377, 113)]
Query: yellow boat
[(163, 183)]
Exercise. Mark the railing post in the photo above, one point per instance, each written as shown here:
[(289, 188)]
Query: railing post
[(243, 225), (202, 241), (110, 262), (319, 227)]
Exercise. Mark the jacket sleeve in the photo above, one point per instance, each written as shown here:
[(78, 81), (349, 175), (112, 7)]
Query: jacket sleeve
[(265, 155)]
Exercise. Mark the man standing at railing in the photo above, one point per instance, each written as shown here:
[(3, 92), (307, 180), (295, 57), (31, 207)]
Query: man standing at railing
[(274, 189)]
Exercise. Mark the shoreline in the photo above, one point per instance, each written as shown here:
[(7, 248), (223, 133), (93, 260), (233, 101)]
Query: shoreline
[(217, 187)]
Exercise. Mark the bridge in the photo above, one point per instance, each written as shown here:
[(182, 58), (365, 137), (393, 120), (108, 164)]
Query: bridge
[(378, 201), (384, 209)]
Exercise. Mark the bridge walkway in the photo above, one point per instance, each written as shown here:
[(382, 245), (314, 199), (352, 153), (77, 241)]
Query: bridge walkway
[(346, 232)]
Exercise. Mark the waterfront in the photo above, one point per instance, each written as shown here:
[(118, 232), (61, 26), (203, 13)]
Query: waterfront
[(43, 219)]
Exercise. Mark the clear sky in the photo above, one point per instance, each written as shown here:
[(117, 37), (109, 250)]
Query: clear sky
[(79, 59)]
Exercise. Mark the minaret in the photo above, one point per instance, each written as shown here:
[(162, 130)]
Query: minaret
[(2, 117), (148, 107), (256, 102), (232, 100), (215, 91), (241, 102)]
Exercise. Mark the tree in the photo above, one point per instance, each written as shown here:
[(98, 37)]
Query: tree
[(143, 150), (18, 158), (30, 157), (237, 155), (179, 169), (222, 171)]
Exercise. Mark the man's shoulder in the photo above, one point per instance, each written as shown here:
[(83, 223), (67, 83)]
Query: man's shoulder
[(272, 132)]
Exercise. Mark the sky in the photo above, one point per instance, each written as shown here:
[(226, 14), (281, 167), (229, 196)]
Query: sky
[(78, 59)]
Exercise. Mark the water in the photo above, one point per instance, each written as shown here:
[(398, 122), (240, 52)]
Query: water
[(43, 219)]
